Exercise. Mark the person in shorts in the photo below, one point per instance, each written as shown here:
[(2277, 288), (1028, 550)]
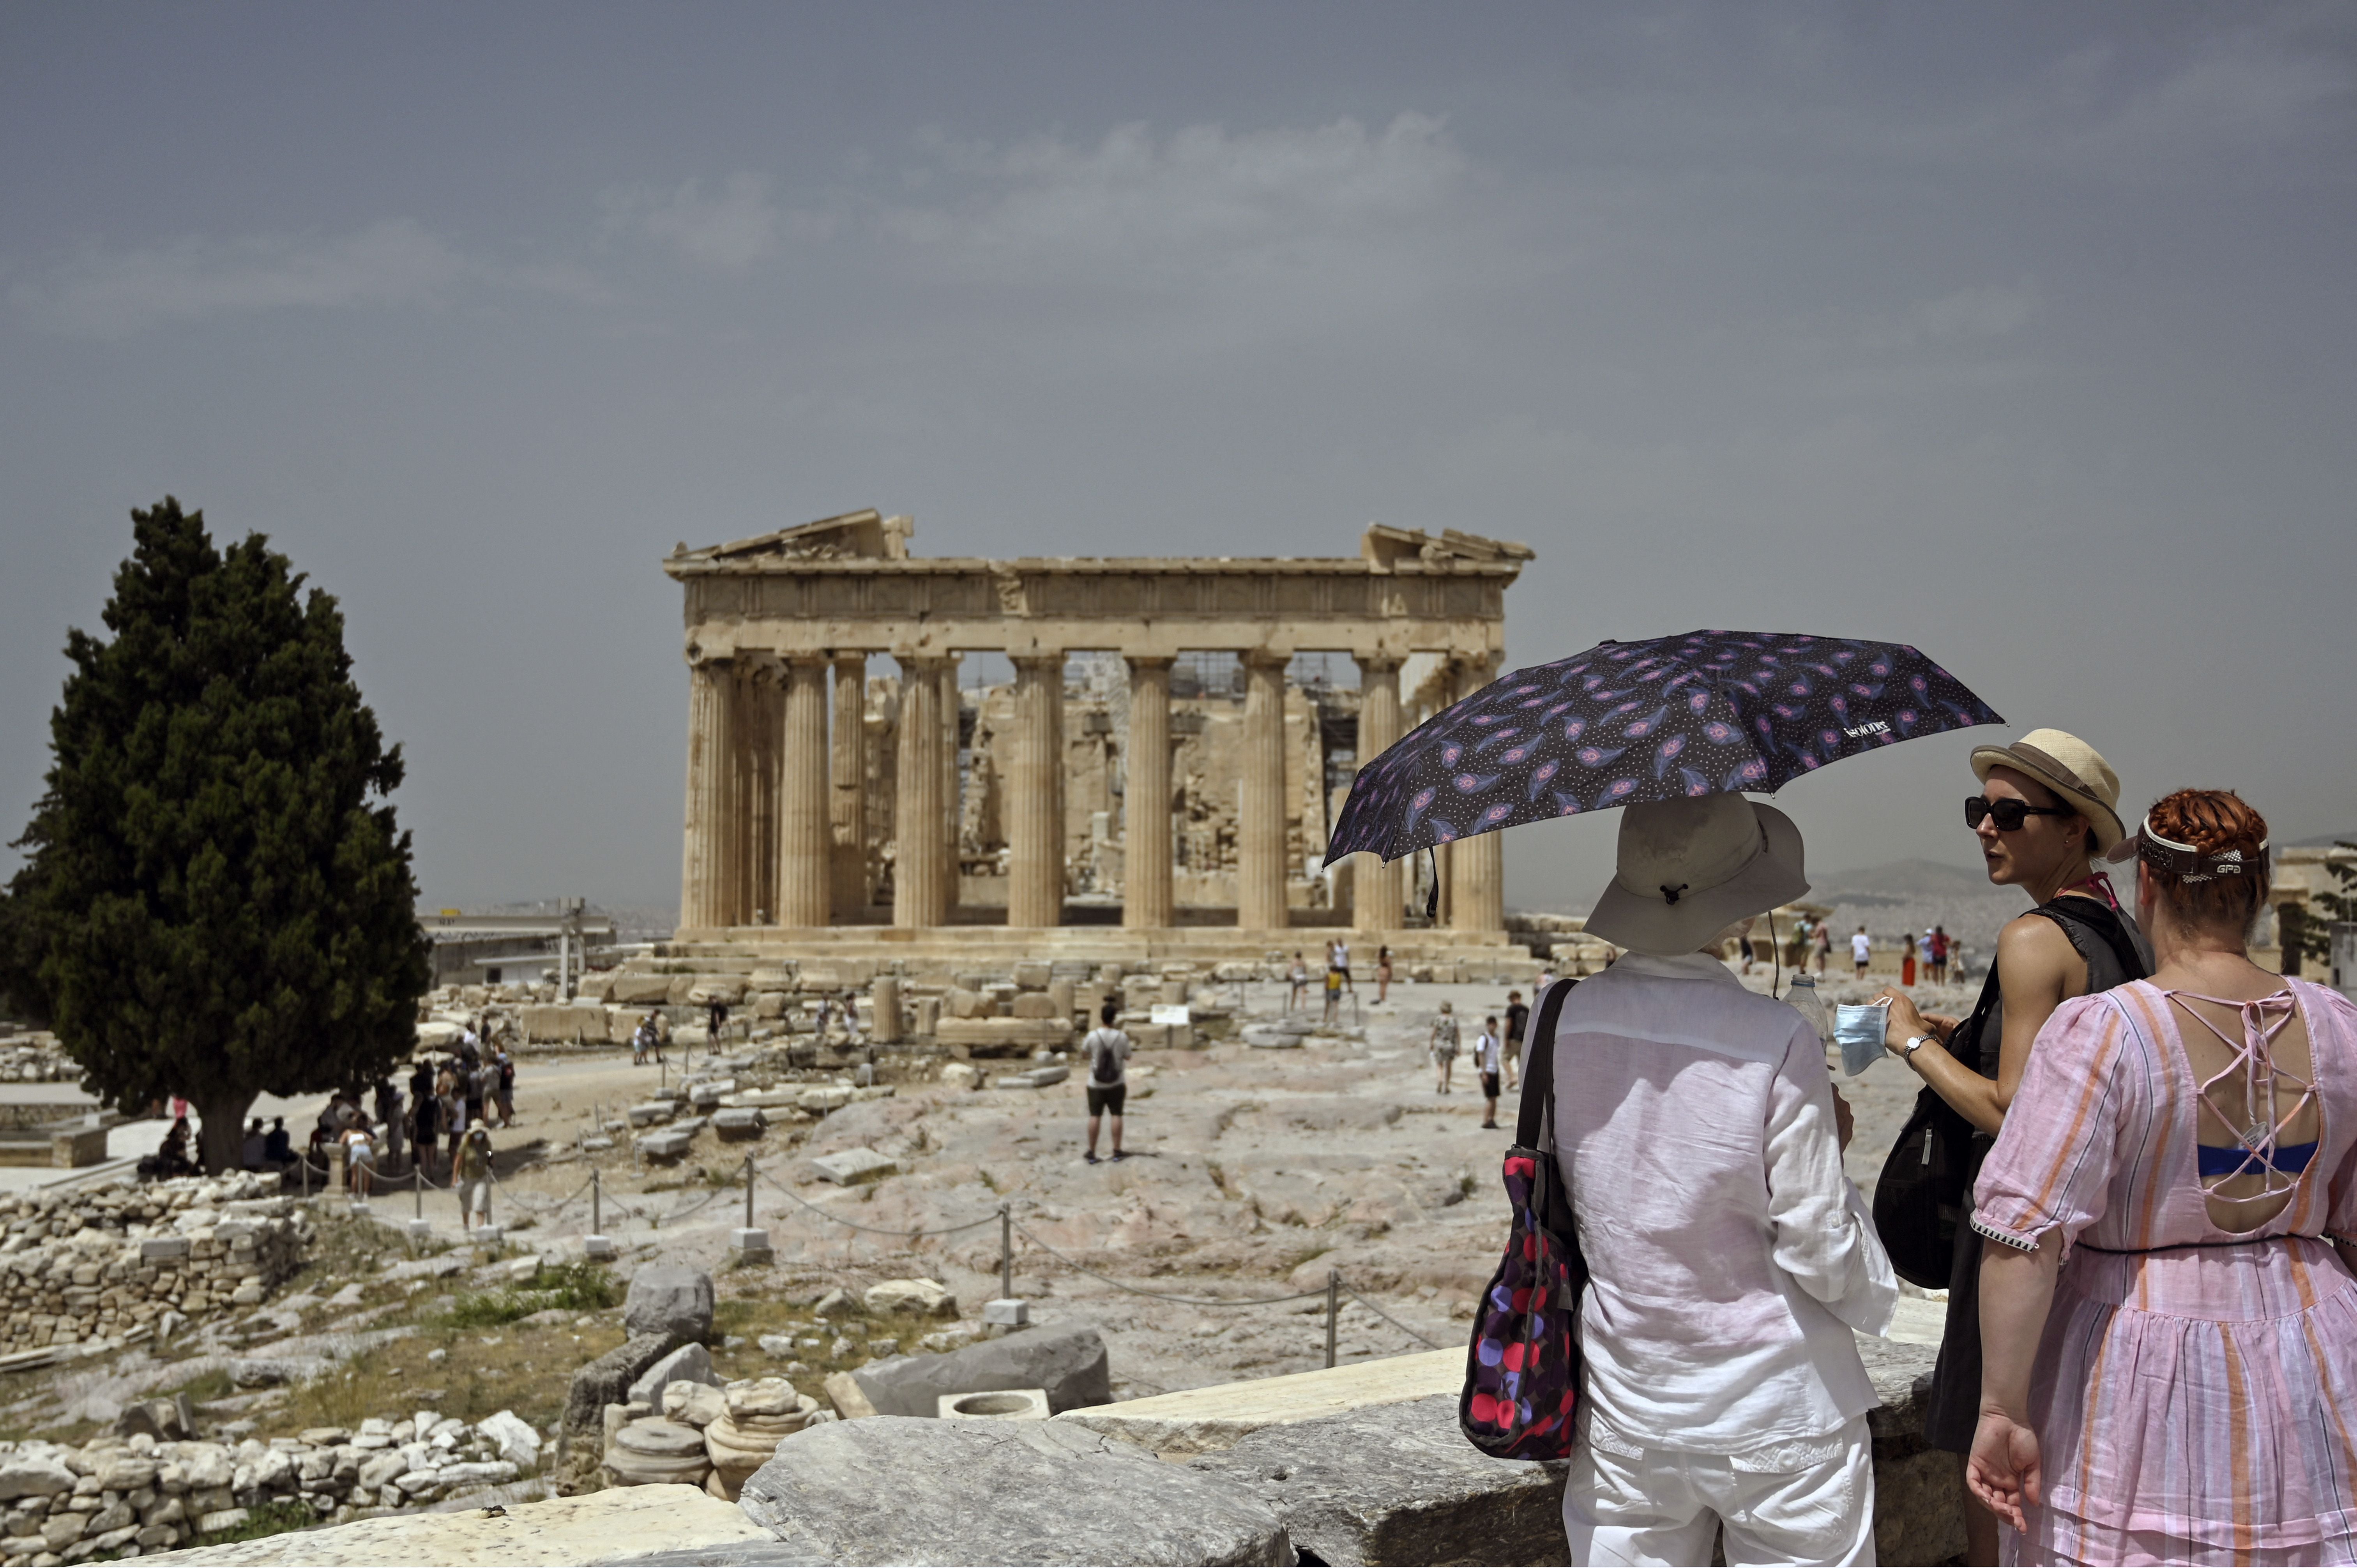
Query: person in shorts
[(471, 1167), (1106, 1050), (1444, 1041), (1861, 951), (1518, 1022), (1486, 1054)]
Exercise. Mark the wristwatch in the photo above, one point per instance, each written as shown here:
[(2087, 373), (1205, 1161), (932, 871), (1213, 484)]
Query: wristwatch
[(1915, 1043)]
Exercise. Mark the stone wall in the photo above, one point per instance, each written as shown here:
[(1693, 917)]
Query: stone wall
[(114, 1494), (108, 1261)]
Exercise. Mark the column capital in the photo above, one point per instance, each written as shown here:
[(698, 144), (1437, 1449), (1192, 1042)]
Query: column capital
[(1377, 663), (1150, 660), (1263, 659), (925, 664), (1049, 659)]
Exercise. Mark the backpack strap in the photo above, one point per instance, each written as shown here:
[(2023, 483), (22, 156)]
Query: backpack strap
[(1538, 1065)]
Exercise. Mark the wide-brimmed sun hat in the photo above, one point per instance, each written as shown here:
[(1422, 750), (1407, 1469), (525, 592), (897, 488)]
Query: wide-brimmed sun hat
[(2071, 768), (1690, 868)]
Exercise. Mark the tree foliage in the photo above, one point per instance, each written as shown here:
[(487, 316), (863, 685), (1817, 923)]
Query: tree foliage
[(216, 900), (2310, 932)]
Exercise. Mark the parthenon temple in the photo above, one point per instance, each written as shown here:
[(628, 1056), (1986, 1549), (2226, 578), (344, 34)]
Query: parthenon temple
[(900, 755)]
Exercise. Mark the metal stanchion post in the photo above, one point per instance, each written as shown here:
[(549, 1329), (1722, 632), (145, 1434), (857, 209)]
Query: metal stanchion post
[(751, 1245), (597, 1244), (1333, 1309), (1006, 1312)]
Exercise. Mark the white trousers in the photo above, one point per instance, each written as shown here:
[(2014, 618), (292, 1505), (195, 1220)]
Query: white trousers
[(1660, 1506)]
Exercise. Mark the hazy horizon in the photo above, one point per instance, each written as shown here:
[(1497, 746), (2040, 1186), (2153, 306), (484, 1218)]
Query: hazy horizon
[(2018, 333)]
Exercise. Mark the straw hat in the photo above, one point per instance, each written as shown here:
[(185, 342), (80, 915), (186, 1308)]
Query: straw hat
[(2071, 768), (1690, 868)]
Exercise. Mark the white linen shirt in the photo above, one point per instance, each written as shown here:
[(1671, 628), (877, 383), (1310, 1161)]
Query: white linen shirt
[(1730, 1256)]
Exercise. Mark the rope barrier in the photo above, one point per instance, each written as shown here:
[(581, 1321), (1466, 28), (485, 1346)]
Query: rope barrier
[(1387, 1317), (1164, 1295), (913, 1234)]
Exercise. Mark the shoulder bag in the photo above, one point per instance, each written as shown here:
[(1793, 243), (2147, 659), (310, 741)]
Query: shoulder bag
[(1522, 1369)]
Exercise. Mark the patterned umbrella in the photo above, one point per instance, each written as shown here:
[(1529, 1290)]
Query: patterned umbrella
[(1624, 722)]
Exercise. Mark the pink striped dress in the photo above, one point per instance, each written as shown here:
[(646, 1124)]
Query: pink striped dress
[(2195, 1404)]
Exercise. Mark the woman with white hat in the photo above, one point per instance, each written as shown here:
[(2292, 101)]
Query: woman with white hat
[(1729, 1257), (2048, 806)]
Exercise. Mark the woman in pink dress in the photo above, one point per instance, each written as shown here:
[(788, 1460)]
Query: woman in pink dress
[(2169, 1325)]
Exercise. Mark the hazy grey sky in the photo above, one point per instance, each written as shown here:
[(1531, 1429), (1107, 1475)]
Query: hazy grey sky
[(2025, 334)]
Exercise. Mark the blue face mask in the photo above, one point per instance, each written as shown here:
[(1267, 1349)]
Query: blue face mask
[(1859, 1031)]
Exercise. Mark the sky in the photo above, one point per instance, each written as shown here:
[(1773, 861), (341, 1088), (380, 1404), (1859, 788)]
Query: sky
[(2021, 333)]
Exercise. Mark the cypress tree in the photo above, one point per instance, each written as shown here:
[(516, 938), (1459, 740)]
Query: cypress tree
[(216, 900)]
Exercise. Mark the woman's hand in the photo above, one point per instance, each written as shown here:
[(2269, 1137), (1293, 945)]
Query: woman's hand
[(1902, 1023), (2002, 1471)]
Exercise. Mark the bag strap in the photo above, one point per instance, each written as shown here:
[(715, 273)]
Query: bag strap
[(1538, 1070)]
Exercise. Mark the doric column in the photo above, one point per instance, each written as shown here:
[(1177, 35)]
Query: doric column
[(711, 772), (847, 803), (1035, 795), (804, 844), (1476, 865), (1145, 900), (952, 802), (920, 871), (1260, 817), (760, 701), (1376, 896)]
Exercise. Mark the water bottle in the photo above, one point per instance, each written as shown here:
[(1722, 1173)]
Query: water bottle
[(1803, 997)]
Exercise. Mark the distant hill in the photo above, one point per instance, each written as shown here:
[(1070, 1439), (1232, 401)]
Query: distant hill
[(1898, 879), (2323, 841)]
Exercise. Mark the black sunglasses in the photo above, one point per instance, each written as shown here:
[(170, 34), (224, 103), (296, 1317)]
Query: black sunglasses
[(2009, 814)]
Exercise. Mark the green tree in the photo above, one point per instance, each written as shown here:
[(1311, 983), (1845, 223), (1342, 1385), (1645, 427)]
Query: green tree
[(2308, 934), (216, 901)]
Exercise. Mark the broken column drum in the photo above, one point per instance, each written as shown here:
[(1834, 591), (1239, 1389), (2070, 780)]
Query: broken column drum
[(780, 823)]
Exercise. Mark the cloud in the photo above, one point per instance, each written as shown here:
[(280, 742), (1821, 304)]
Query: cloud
[(392, 262), (725, 230), (1139, 211)]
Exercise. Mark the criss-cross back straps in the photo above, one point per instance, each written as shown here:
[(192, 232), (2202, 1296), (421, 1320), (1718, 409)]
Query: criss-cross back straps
[(2261, 1021)]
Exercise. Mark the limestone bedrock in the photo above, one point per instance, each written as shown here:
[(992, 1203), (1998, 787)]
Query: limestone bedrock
[(999, 1491)]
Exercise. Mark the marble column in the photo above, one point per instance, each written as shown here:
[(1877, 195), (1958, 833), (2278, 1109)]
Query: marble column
[(760, 701), (953, 803), (847, 803), (1035, 795), (1476, 865), (711, 771), (1376, 891), (920, 871), (1260, 815), (805, 854), (1145, 899)]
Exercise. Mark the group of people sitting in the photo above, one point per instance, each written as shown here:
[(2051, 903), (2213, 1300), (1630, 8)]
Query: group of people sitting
[(2151, 1305)]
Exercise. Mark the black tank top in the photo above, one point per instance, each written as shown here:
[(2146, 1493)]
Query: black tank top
[(2107, 938)]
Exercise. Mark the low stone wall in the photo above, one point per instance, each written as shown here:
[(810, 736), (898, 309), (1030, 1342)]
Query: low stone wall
[(116, 1493), (104, 1262)]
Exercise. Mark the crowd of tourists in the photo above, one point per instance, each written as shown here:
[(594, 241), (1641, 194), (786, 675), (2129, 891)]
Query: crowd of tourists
[(2138, 1186)]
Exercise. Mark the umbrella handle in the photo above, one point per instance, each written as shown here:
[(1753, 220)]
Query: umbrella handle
[(1432, 900)]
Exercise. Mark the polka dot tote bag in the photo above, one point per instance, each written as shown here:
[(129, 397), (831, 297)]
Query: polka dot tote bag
[(1522, 1371)]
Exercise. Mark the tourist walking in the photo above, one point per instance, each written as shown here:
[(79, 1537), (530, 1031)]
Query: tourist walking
[(1298, 978), (1333, 993), (2170, 1324), (360, 1160), (470, 1169), (1824, 944), (1444, 1041), (1488, 1050), (1861, 951), (1907, 960), (1382, 974), (426, 1121), (503, 1085), (1342, 964), (1730, 1258), (1518, 1024), (2049, 804), (643, 1038), (1106, 1050)]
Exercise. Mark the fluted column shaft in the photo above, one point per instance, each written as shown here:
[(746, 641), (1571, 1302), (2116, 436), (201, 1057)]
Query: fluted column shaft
[(920, 869), (1375, 895), (952, 805), (760, 710), (1260, 816), (805, 850), (711, 771), (1476, 865), (1146, 898), (1035, 795), (847, 802)]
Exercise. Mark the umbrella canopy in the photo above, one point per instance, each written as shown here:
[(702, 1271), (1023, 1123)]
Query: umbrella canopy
[(1706, 713)]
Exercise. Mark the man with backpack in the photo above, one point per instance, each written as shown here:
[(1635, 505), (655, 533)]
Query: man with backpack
[(1106, 1050)]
